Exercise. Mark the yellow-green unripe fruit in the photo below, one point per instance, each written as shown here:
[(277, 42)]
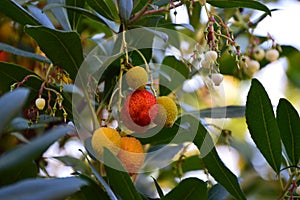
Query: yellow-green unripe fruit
[(40, 103), (136, 78), (167, 111), (106, 137)]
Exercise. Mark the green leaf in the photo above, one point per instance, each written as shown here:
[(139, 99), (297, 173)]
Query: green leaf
[(97, 175), (172, 74), (92, 191), (119, 180), (16, 12), (46, 189), (293, 71), (11, 104), (189, 164), (76, 164), (189, 188), (161, 155), (11, 162), (164, 136), (239, 4), (217, 192), (20, 52), (74, 16), (213, 163), (158, 188), (60, 14), (40, 16), (220, 112), (262, 124), (138, 5), (19, 124), (29, 170), (64, 49), (125, 9), (289, 125), (106, 8), (11, 73), (194, 17)]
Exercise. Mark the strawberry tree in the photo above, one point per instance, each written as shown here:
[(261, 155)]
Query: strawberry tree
[(139, 90)]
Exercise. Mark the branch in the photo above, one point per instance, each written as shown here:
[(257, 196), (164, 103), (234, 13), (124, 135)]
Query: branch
[(144, 12), (141, 12)]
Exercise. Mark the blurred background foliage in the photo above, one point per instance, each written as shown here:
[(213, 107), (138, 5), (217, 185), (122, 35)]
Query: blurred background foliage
[(281, 79)]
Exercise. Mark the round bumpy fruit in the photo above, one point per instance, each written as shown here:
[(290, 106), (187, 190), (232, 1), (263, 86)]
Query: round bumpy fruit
[(136, 78), (106, 137), (139, 110), (167, 111), (131, 154), (40, 103)]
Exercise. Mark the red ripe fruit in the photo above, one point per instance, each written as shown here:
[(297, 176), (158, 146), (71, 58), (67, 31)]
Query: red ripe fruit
[(139, 110)]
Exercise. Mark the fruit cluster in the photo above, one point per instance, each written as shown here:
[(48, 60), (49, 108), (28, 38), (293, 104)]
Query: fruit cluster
[(129, 150), (140, 110), (141, 107), (251, 64)]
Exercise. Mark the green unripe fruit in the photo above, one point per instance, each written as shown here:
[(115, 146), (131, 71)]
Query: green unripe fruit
[(167, 111), (136, 78)]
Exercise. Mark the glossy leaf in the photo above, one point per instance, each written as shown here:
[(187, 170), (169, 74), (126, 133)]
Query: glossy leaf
[(189, 188), (214, 164), (125, 9), (90, 14), (19, 124), (189, 164), (59, 44), (12, 161), (73, 15), (46, 189), (16, 12), (220, 112), (289, 125), (11, 74), (60, 14), (76, 164), (262, 124), (106, 8), (40, 16), (119, 180), (217, 192), (158, 188), (20, 52), (161, 156), (107, 188), (240, 4), (173, 73), (11, 104), (92, 191), (163, 136), (138, 5)]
